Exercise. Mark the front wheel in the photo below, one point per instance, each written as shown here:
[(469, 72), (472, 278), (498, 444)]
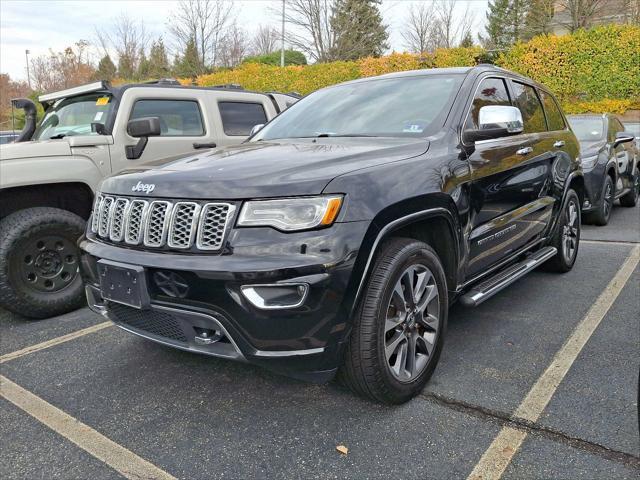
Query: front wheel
[(399, 327), (602, 213), (39, 262), (567, 236), (630, 199)]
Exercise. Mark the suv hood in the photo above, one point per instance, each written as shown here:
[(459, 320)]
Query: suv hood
[(265, 169), (42, 148)]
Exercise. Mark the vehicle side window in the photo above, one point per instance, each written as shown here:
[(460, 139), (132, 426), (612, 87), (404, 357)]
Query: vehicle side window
[(491, 91), (554, 116), (612, 130), (178, 118), (238, 118), (529, 104)]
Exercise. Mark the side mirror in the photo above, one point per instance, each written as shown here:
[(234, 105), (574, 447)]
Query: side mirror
[(144, 127), (495, 121), (141, 128), (255, 129), (623, 137)]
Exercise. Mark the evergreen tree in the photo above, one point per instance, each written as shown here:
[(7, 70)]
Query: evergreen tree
[(539, 18), (506, 20), (126, 67), (467, 41), (188, 65), (158, 60), (106, 69), (358, 29), (144, 67)]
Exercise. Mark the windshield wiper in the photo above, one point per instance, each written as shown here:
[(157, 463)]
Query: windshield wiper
[(333, 135), (58, 136)]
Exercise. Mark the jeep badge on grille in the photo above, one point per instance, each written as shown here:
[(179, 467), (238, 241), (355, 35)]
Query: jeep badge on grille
[(143, 187)]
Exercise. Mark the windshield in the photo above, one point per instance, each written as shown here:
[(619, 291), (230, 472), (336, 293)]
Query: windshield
[(392, 107), (633, 128), (587, 129), (74, 116)]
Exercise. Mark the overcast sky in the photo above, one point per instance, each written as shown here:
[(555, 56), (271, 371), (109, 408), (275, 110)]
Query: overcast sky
[(43, 24)]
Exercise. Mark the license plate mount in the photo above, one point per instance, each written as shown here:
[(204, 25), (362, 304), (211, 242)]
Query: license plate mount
[(123, 283)]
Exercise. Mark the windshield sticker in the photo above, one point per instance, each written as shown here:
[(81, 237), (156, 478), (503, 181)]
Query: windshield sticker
[(98, 116), (413, 128), (102, 101)]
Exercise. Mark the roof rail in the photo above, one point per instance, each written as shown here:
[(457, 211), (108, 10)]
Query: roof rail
[(162, 81), (231, 86)]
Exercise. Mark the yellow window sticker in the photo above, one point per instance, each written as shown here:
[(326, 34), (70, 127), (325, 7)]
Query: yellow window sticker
[(102, 101)]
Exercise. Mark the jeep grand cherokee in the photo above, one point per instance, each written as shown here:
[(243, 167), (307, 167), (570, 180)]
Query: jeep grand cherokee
[(335, 239)]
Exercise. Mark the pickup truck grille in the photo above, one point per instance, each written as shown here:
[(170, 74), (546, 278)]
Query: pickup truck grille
[(161, 223)]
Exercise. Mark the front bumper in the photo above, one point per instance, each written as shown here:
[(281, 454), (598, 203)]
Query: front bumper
[(303, 341)]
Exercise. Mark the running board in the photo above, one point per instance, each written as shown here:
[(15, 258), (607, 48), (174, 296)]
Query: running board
[(487, 289)]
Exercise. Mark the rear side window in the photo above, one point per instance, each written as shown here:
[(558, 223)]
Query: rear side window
[(178, 118), (554, 116), (529, 104), (491, 91), (238, 118)]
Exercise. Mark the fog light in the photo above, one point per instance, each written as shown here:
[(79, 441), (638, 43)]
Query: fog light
[(276, 296), (586, 204), (206, 336)]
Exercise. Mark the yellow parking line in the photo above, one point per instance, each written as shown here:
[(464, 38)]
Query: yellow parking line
[(53, 341), (116, 456), (502, 450)]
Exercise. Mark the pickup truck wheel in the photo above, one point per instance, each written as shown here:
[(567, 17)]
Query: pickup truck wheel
[(39, 274), (630, 199), (399, 326), (602, 214), (567, 236)]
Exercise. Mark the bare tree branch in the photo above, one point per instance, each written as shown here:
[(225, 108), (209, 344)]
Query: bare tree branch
[(312, 21), (265, 40)]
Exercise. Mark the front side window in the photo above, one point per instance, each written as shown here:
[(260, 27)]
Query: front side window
[(386, 107), (491, 91), (554, 116), (74, 116), (529, 104), (587, 129), (238, 118), (178, 118)]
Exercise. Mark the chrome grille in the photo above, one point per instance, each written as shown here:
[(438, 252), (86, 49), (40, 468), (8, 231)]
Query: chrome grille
[(116, 225), (105, 211), (213, 219), (135, 221), (96, 213), (160, 223), (155, 231), (183, 224)]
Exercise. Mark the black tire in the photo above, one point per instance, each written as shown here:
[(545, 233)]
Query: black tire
[(600, 216), (630, 199), (39, 261), (563, 262), (366, 369)]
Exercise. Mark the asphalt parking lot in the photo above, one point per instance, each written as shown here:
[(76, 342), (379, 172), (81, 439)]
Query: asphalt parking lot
[(120, 406)]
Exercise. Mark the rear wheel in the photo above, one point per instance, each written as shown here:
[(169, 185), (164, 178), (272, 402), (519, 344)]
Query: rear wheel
[(567, 236), (399, 327), (39, 259)]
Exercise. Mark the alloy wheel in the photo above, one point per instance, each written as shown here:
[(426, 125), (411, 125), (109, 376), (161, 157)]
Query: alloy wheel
[(608, 200), (412, 323), (570, 232)]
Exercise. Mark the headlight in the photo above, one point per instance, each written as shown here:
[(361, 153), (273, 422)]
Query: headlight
[(589, 162), (291, 214)]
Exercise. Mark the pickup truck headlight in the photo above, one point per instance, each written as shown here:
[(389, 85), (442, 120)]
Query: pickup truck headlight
[(291, 214), (589, 162)]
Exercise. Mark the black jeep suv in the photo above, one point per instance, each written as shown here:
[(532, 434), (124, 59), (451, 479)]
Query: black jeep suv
[(337, 237)]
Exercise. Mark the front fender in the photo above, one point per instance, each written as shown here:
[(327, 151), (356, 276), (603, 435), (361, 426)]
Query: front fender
[(46, 170)]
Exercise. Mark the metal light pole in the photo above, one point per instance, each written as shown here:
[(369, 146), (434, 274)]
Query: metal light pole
[(26, 56), (282, 39)]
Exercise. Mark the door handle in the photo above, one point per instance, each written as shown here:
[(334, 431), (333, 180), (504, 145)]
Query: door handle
[(204, 145), (525, 151), (559, 144)]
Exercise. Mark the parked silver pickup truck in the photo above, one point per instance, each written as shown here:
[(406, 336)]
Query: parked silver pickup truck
[(49, 175)]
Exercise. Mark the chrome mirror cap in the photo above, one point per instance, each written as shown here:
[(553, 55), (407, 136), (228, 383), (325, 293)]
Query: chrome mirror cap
[(501, 116)]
